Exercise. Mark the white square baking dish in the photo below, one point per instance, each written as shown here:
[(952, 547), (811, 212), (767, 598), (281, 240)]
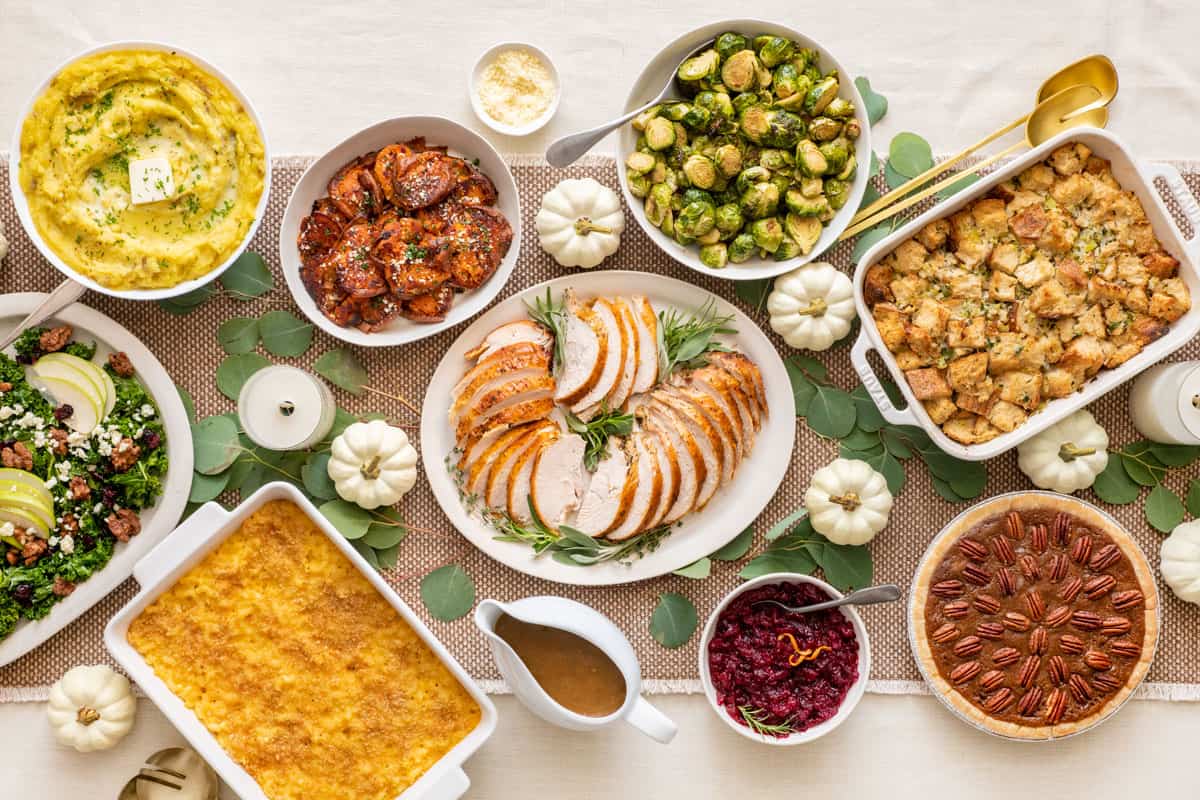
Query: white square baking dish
[(182, 550), (1132, 176)]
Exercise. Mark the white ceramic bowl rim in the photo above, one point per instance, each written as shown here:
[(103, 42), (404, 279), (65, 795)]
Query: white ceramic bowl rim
[(495, 124), (853, 694), (639, 94), (22, 206)]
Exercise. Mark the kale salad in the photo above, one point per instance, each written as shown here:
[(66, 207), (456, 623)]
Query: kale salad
[(73, 476)]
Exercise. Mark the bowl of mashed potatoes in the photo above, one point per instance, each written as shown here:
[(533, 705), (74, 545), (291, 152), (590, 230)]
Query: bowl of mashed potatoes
[(139, 170)]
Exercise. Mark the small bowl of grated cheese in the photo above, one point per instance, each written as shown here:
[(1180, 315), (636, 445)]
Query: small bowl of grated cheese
[(515, 88)]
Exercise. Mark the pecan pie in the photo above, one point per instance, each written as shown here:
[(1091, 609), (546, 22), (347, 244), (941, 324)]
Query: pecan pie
[(1034, 616)]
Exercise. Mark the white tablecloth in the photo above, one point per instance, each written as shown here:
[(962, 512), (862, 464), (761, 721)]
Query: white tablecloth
[(951, 71)]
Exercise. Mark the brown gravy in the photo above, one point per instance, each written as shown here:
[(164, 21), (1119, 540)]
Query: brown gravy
[(571, 669)]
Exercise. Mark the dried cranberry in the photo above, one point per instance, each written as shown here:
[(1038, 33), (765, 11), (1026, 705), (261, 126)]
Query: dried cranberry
[(63, 412), (7, 443), (87, 541), (108, 495), (151, 440), (23, 592), (24, 359)]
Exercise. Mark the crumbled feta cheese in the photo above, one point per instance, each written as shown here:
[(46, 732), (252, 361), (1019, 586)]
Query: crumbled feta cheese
[(7, 529), (51, 483), (7, 412), (63, 468), (96, 509), (67, 544), (147, 411), (52, 541)]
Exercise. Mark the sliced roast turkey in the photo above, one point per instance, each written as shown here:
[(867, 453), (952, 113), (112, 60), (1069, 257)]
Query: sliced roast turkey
[(585, 351), (644, 503), (647, 332), (523, 330), (496, 494), (614, 359), (513, 403), (558, 480), (718, 417), (516, 356), (521, 476), (707, 440), (693, 469), (609, 494), (629, 365)]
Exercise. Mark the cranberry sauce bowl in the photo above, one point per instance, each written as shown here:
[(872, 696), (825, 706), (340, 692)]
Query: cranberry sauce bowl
[(782, 678)]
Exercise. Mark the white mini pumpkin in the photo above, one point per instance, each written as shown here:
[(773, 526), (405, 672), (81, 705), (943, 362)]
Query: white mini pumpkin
[(372, 464), (812, 306), (848, 501), (91, 708), (1067, 456), (1181, 561), (3, 243), (580, 222)]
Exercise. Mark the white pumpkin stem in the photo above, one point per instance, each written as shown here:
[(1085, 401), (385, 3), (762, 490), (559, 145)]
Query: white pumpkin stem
[(848, 501), (1069, 452), (584, 226), (87, 715), (817, 308), (370, 470)]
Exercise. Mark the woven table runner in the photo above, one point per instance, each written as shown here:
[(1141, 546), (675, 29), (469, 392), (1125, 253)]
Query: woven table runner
[(187, 346)]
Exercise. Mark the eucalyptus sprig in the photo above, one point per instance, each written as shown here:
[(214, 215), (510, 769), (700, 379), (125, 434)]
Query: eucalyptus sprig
[(597, 431), (793, 546), (1150, 464), (684, 339), (570, 546), (247, 278), (756, 720), (551, 315)]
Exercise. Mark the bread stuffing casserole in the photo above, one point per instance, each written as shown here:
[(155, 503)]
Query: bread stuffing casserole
[(1024, 295)]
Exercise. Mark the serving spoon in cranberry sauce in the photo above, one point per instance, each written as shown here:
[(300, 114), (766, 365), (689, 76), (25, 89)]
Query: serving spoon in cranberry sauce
[(884, 593)]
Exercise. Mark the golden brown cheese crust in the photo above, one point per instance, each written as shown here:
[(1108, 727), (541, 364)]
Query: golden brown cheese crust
[(1024, 295), (302, 671)]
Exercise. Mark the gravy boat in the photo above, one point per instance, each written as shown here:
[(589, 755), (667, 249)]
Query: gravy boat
[(589, 624)]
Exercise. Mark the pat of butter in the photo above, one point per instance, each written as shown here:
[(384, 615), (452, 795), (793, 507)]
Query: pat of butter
[(150, 180)]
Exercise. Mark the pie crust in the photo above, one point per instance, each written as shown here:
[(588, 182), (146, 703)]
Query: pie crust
[(1062, 671)]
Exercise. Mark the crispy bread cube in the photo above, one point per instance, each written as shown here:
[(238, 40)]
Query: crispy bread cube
[(1059, 234), (1002, 287), (977, 402), (908, 290), (1060, 383), (1021, 388), (1030, 222), (910, 256), (1160, 264), (1005, 257), (939, 409), (1071, 191), (990, 216), (1051, 301), (890, 322), (970, 429), (877, 284), (1070, 158), (970, 333), (968, 374), (1084, 355), (1006, 352), (906, 359), (1035, 271), (928, 384), (1170, 300), (1006, 416), (934, 235), (932, 317), (1038, 178), (921, 343)]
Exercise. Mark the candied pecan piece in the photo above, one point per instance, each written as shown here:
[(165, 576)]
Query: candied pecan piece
[(5, 386), (17, 456), (123, 524), (69, 525), (55, 339), (79, 489), (125, 454), (33, 547), (121, 364), (61, 587), (58, 441)]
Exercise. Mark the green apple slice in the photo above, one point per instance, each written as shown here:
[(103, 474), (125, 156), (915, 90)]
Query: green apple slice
[(20, 481), (23, 520), (100, 378), (26, 504), (85, 402)]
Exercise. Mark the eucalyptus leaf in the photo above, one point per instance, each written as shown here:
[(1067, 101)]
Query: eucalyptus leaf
[(957, 186), (248, 277), (448, 592), (189, 405), (1164, 509), (861, 440), (387, 556), (207, 487), (187, 303), (845, 566), (367, 552), (864, 454), (868, 239), (787, 523), (895, 443), (868, 417), (215, 444), (812, 366), (342, 419), (233, 372), (674, 620), (315, 474), (909, 154), (876, 104), (382, 536), (697, 570), (803, 389), (894, 180), (1113, 484), (1143, 469), (754, 293), (831, 413), (238, 335), (350, 520), (1193, 497), (285, 335), (769, 562), (969, 480), (943, 489), (1173, 455), (342, 369), (885, 464), (737, 547)]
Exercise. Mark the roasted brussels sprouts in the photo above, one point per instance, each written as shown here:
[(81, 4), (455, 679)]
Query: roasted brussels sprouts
[(658, 203), (697, 118), (775, 160), (696, 219), (700, 171), (836, 192), (760, 200), (712, 237), (811, 187), (823, 129), (767, 233), (836, 154), (640, 163), (788, 248), (729, 43), (716, 103), (660, 133), (729, 219), (752, 175), (700, 67), (668, 223), (810, 161), (804, 58), (821, 95), (840, 108), (729, 160), (744, 100), (803, 206), (775, 50), (676, 111), (742, 248), (714, 256), (786, 80), (847, 172), (640, 121), (805, 231), (695, 195), (852, 129), (639, 184), (740, 71), (772, 127)]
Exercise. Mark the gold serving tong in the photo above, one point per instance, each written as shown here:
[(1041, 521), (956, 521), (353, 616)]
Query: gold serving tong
[(199, 778), (1078, 94)]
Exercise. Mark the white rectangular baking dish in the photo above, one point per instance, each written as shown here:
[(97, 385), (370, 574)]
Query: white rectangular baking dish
[(1132, 176), (182, 550)]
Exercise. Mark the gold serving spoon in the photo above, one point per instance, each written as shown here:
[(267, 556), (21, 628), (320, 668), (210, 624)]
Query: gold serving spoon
[(1070, 108), (1095, 70)]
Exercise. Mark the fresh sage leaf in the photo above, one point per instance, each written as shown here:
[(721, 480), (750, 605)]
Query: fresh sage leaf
[(315, 474), (235, 370), (248, 277), (674, 620), (342, 369), (875, 103), (737, 547), (238, 335), (215, 444), (697, 570), (448, 593), (1113, 484), (350, 520), (285, 335), (207, 487), (909, 154), (1164, 509)]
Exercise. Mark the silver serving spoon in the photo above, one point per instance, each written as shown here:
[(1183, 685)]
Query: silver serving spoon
[(63, 295), (862, 597), (569, 149)]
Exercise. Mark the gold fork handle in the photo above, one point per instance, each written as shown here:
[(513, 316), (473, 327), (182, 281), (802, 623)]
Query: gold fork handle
[(935, 170), (895, 209)]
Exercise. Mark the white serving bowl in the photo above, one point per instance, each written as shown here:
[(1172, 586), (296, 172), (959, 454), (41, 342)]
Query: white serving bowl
[(497, 125), (462, 142), (849, 702), (655, 75), (22, 206)]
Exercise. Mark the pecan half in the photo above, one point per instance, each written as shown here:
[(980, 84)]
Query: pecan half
[(956, 609), (968, 646), (1030, 703), (1071, 589), (1126, 599), (991, 680), (1039, 539), (1056, 706), (1029, 670), (1071, 645), (1062, 528), (1115, 626), (977, 576), (1097, 660), (1056, 668), (1006, 581), (1014, 526), (55, 339), (950, 588), (1058, 567), (973, 550), (1058, 616), (1086, 620), (1003, 550), (1081, 548), (1035, 604), (121, 364), (998, 701), (986, 604), (1106, 683), (965, 672), (1105, 558), (1016, 621), (945, 633), (1125, 648), (1081, 690), (1039, 640), (1030, 568), (1101, 584), (1003, 656), (989, 630)]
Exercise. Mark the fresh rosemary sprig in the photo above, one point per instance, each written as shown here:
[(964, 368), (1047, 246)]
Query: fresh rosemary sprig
[(756, 719), (597, 430), (683, 338), (571, 546), (552, 315)]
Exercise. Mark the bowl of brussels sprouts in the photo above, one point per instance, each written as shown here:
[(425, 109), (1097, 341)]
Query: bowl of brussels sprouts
[(753, 168)]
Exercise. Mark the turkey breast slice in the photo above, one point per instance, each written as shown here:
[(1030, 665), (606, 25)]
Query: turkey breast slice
[(644, 504), (480, 397), (609, 493), (647, 330), (477, 468), (722, 389), (614, 360), (496, 494), (523, 330), (524, 401), (629, 365), (558, 480), (741, 367), (521, 476), (521, 355), (668, 468), (707, 440), (719, 418), (692, 470), (584, 353)]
